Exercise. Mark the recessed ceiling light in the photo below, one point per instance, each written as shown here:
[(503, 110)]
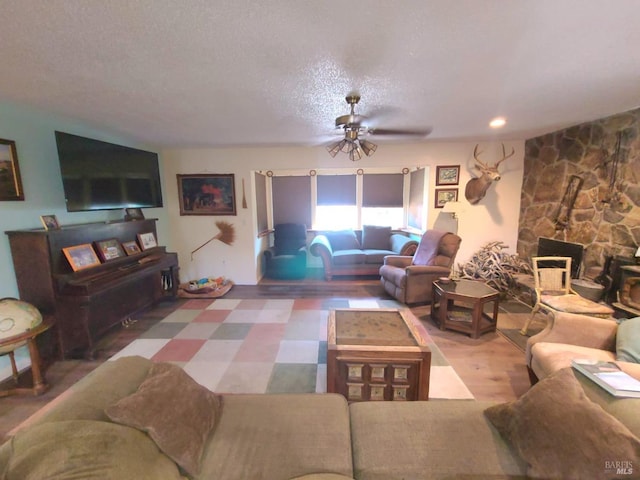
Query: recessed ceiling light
[(498, 122)]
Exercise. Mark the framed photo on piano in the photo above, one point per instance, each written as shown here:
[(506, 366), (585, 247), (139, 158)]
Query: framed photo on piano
[(109, 249), (81, 256), (131, 248), (147, 241)]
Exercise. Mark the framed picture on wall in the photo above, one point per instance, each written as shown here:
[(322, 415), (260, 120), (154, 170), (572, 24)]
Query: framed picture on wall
[(444, 195), (447, 174), (207, 194), (10, 182)]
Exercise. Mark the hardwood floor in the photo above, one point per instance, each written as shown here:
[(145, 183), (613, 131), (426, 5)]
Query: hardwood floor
[(491, 367)]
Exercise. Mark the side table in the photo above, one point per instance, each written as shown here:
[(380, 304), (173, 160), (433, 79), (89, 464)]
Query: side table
[(459, 305)]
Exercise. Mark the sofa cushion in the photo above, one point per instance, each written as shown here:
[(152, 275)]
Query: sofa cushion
[(628, 340), (376, 256), (448, 439), (87, 449), (176, 412), (343, 240), (555, 421), (375, 237), (279, 436), (348, 257), (551, 357)]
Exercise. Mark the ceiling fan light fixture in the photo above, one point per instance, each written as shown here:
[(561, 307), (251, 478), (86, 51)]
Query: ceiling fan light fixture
[(368, 147), (355, 153), (347, 146), (335, 147), (354, 125)]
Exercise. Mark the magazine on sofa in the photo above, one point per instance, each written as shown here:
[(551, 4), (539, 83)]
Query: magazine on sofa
[(609, 376)]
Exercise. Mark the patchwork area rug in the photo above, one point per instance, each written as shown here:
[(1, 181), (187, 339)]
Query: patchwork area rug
[(265, 345)]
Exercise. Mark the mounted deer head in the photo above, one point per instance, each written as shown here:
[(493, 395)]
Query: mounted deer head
[(477, 187)]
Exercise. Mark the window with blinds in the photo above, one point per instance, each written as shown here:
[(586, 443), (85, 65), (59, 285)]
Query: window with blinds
[(336, 206), (291, 197), (340, 201), (382, 199), (417, 208)]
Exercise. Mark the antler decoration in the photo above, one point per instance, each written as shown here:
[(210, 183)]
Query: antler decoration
[(226, 235)]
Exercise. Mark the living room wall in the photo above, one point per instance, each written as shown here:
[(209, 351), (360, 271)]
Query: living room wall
[(33, 132), (494, 218), (605, 156)]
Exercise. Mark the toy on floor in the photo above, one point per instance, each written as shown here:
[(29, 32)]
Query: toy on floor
[(208, 287)]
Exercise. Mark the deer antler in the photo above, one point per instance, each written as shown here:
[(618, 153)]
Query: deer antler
[(475, 155), (505, 156)]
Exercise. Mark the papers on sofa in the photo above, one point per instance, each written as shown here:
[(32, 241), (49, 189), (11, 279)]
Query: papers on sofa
[(609, 376)]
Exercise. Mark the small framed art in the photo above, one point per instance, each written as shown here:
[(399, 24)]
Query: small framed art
[(447, 174), (131, 248), (444, 195), (147, 241), (133, 214), (50, 222), (109, 249), (207, 194), (81, 256), (10, 182)]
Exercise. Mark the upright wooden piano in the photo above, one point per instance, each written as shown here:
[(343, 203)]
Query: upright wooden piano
[(88, 302)]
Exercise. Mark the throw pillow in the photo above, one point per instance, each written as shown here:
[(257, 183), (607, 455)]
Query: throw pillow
[(560, 433), (343, 240), (628, 340), (177, 413), (375, 238), (87, 449)]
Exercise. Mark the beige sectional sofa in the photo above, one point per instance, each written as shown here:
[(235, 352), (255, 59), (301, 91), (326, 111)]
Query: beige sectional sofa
[(270, 437), (568, 336)]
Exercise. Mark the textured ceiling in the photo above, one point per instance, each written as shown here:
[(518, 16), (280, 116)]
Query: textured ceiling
[(211, 73)]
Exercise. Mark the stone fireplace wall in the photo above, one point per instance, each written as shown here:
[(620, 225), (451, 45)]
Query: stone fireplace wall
[(605, 217)]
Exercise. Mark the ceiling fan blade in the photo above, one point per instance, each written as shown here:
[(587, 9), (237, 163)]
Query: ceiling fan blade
[(382, 115), (422, 132)]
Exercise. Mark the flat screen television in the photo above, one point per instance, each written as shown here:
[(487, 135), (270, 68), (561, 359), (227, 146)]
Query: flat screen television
[(549, 247), (99, 175)]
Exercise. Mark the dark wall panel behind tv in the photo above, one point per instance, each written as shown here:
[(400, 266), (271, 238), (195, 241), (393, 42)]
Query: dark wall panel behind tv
[(99, 175)]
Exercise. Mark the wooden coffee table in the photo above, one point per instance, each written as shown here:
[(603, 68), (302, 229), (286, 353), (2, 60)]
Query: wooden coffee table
[(377, 354), (459, 305)]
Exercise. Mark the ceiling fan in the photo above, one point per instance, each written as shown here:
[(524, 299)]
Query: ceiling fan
[(354, 126)]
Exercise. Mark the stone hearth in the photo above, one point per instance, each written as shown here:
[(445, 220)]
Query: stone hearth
[(605, 217)]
